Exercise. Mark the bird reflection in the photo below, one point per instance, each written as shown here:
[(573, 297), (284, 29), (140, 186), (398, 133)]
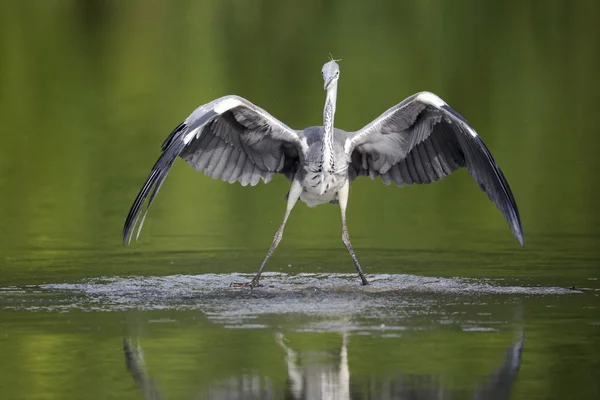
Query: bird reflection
[(134, 359), (333, 381), (314, 377), (318, 380), (498, 385)]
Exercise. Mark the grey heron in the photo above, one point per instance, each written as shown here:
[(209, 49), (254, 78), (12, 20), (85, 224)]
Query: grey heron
[(418, 141)]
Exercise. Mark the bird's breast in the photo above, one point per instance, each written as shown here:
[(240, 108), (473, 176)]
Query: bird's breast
[(321, 187)]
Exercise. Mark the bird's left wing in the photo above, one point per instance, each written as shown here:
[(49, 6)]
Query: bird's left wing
[(422, 140), (229, 138)]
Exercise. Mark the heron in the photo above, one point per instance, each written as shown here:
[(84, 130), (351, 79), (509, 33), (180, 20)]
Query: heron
[(418, 141)]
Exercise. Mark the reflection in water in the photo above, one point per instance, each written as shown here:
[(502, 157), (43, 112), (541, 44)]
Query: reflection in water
[(318, 380), (134, 359), (310, 377), (498, 385)]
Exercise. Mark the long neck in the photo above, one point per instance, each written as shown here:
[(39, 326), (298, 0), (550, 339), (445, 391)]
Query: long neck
[(328, 115)]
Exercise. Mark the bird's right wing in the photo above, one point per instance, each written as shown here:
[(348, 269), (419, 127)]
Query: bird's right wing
[(229, 138)]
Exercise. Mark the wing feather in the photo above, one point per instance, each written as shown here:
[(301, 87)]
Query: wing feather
[(215, 157), (239, 167), (207, 153), (220, 162), (396, 176), (442, 156), (422, 140), (193, 157), (421, 163), (229, 138), (247, 171), (412, 169), (386, 178), (257, 174), (404, 172), (434, 157), (230, 164), (153, 183)]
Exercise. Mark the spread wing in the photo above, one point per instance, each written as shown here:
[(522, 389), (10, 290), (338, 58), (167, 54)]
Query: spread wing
[(229, 138), (423, 139)]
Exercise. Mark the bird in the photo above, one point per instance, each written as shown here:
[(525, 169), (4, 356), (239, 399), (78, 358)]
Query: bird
[(418, 141)]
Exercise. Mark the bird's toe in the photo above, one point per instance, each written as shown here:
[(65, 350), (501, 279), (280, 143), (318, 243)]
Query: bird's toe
[(252, 284)]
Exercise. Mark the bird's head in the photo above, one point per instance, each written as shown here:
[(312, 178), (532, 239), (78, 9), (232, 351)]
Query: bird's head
[(331, 73)]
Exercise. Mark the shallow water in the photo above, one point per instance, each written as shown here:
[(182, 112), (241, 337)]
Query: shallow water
[(310, 335), (456, 309)]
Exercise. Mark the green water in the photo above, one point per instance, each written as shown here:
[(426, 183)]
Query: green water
[(88, 91)]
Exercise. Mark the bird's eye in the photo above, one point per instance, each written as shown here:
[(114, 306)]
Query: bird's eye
[(337, 73)]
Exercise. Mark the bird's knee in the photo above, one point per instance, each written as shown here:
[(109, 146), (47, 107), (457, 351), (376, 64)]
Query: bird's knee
[(277, 238), (345, 238)]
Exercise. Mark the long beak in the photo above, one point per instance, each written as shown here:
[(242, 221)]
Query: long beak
[(327, 82)]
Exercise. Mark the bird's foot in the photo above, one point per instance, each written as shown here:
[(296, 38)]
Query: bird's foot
[(252, 284), (364, 281)]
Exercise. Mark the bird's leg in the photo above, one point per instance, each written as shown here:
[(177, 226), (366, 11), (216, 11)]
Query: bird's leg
[(343, 199), (293, 197)]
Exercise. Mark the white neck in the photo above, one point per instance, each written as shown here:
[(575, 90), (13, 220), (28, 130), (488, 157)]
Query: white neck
[(328, 116)]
